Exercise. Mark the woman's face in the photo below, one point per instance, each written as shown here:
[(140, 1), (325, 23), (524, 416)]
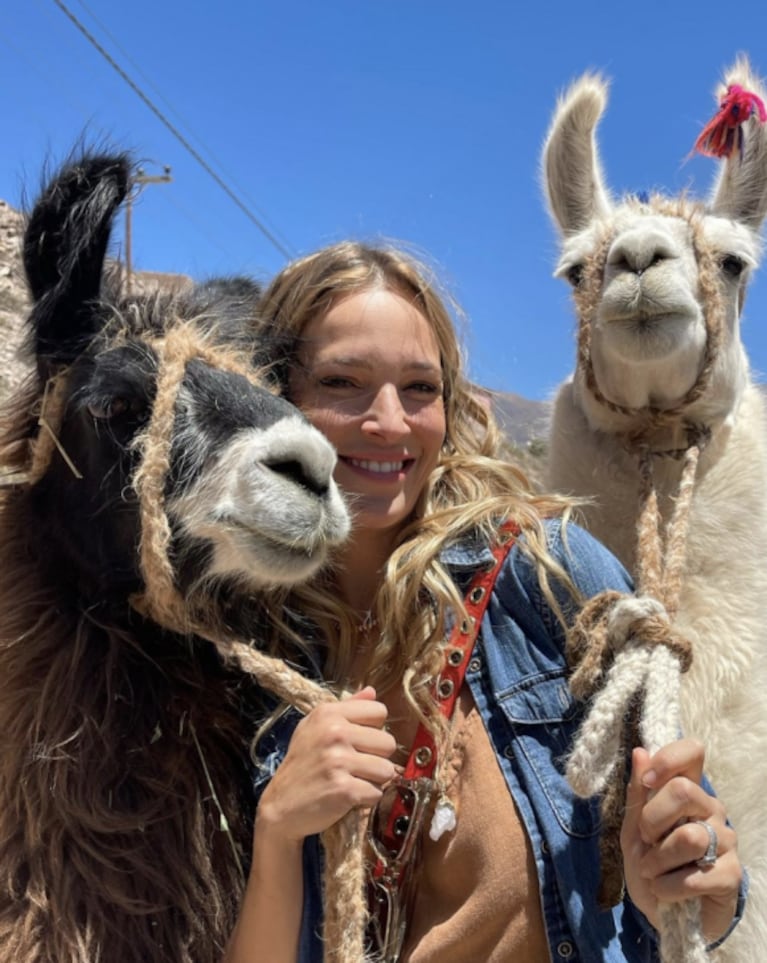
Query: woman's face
[(369, 377)]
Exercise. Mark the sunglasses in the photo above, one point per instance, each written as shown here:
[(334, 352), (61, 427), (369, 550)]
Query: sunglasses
[(393, 834)]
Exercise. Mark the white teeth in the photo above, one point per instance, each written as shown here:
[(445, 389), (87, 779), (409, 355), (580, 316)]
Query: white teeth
[(383, 467)]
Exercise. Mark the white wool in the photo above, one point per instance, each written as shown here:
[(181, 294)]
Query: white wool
[(723, 603)]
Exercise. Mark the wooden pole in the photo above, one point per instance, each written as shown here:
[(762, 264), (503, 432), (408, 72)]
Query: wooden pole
[(138, 183)]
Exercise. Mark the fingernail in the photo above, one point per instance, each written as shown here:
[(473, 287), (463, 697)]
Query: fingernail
[(650, 779)]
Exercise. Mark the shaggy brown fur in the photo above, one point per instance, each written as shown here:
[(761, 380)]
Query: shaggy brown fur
[(101, 783)]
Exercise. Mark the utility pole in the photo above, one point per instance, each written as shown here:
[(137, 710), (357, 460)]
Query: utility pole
[(138, 183)]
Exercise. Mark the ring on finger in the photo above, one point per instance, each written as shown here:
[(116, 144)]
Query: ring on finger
[(709, 857)]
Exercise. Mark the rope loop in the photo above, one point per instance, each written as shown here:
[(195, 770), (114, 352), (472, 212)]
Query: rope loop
[(605, 626)]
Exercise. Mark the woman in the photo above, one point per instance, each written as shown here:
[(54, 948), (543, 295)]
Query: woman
[(366, 348)]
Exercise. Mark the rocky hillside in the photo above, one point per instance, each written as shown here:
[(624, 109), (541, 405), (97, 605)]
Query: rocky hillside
[(13, 299)]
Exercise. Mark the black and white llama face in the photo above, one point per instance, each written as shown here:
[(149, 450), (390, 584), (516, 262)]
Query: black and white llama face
[(659, 282), (250, 482), (162, 386)]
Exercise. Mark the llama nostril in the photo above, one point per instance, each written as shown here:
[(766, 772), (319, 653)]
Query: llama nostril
[(294, 471), (636, 253)]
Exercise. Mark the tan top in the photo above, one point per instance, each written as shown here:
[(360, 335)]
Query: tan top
[(477, 894)]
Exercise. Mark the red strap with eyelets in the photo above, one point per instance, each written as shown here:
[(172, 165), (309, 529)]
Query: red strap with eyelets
[(422, 760), (423, 757)]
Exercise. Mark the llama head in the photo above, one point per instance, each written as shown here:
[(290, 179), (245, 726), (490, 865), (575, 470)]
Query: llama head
[(189, 465), (659, 283)]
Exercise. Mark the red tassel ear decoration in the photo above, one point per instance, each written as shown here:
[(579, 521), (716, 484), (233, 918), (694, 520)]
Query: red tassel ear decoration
[(723, 134)]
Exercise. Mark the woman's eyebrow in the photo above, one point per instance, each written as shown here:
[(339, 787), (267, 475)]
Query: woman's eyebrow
[(350, 361)]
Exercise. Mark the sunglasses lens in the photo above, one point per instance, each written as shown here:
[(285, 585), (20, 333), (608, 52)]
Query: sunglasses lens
[(391, 819)]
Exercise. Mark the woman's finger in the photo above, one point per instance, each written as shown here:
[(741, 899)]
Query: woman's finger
[(681, 758), (685, 845), (719, 884), (636, 796), (372, 768), (377, 742)]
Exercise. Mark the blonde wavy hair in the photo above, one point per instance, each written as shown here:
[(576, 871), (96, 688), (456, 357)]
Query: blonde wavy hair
[(474, 487)]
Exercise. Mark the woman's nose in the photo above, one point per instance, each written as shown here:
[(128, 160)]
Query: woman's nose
[(386, 415)]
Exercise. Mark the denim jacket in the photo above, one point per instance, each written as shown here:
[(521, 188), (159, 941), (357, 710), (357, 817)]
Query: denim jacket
[(518, 679)]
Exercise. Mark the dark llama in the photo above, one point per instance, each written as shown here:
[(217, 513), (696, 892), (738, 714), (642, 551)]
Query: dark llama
[(152, 485)]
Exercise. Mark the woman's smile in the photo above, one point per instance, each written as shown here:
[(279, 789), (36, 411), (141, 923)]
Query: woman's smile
[(389, 470)]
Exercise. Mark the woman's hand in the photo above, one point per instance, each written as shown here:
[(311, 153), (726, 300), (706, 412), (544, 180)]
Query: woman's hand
[(338, 759), (661, 840)]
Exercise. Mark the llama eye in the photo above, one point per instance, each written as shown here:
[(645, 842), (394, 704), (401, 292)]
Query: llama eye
[(106, 408), (575, 274), (732, 265)]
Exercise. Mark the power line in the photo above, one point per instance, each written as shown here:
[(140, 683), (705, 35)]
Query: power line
[(182, 122), (176, 133)]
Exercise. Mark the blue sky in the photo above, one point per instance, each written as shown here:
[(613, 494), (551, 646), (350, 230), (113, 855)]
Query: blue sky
[(414, 120)]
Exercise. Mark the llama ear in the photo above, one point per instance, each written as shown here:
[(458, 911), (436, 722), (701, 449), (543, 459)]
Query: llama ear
[(572, 175), (740, 191), (65, 245)]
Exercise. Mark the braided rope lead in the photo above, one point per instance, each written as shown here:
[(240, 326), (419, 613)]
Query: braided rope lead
[(629, 655), (346, 916)]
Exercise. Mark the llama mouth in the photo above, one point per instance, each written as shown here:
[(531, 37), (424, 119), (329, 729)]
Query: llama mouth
[(644, 323), (292, 549), (261, 559), (646, 320)]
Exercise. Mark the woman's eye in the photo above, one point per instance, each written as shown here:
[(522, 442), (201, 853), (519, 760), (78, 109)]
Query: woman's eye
[(425, 388), (336, 381)]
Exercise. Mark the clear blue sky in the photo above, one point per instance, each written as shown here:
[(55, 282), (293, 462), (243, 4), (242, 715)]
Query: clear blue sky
[(416, 120)]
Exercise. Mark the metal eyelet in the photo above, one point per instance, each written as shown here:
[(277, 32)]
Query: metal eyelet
[(455, 657), (477, 594), (423, 756), (445, 688), (467, 625)]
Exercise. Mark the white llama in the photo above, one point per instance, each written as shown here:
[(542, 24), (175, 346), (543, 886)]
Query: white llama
[(659, 285)]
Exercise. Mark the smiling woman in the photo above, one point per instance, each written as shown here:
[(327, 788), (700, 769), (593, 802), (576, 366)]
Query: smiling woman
[(443, 620), (369, 377)]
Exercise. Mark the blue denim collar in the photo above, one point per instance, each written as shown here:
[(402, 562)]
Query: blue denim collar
[(466, 553)]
